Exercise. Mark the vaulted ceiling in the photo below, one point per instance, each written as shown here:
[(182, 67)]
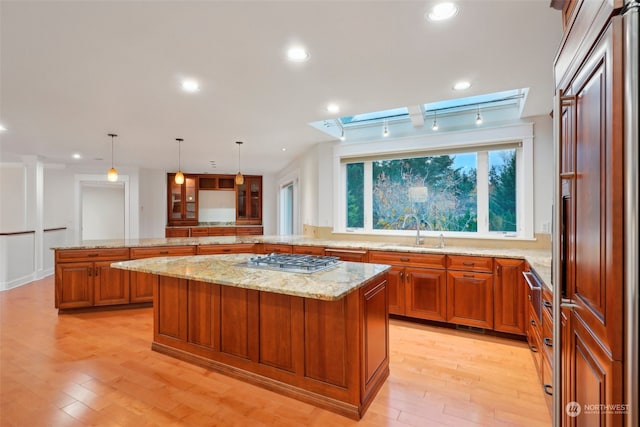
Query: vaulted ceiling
[(74, 71)]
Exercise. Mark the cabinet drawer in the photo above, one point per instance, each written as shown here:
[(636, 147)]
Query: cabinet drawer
[(240, 248), (278, 249), (308, 250), (249, 231), (546, 341), (176, 232), (221, 231), (408, 259), (348, 255), (72, 255), (199, 231), (162, 251), (470, 263)]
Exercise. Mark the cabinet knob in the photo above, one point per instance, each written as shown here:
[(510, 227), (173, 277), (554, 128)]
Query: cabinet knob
[(548, 342), (548, 389), (468, 264), (405, 259)]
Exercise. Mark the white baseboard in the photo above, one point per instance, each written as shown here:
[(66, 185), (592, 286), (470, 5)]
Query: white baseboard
[(5, 286)]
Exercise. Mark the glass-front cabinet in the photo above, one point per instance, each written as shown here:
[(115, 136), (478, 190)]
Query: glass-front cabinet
[(249, 201), (182, 200)]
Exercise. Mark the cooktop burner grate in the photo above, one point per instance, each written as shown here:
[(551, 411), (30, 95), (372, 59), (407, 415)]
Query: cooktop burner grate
[(293, 262)]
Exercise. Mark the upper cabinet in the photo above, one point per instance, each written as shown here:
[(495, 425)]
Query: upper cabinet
[(182, 200), (249, 201)]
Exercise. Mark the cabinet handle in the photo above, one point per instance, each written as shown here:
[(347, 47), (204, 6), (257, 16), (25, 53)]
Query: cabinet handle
[(226, 250), (93, 255), (97, 272), (548, 342), (499, 269), (468, 264), (90, 271), (533, 322), (405, 259), (548, 389), (468, 275), (533, 348), (547, 304), (401, 275), (164, 252)]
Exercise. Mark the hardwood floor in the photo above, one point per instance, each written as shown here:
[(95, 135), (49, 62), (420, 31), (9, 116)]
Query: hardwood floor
[(98, 369)]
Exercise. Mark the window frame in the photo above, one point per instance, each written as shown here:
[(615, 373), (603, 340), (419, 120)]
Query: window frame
[(481, 140)]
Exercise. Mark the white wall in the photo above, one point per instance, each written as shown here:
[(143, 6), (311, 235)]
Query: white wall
[(269, 204), (103, 215), (13, 197), (543, 172), (153, 203)]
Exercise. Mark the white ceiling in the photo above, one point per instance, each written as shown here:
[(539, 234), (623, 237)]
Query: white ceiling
[(73, 71)]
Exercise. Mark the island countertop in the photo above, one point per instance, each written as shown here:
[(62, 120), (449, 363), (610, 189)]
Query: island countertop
[(231, 270)]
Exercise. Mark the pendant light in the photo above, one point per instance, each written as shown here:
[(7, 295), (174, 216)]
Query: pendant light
[(112, 175), (179, 178), (239, 177), (478, 117), (434, 127)]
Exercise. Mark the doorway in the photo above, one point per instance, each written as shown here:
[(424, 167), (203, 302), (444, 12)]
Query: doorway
[(102, 213), (287, 225)]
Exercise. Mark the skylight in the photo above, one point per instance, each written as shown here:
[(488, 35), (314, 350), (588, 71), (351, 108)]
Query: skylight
[(507, 98), (377, 116)]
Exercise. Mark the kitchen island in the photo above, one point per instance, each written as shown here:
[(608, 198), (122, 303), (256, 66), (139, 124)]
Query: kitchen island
[(319, 337)]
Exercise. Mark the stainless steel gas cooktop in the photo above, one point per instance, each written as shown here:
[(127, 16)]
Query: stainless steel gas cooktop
[(293, 262)]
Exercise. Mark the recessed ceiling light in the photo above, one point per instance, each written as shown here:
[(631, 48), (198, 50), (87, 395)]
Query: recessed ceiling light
[(461, 85), (2, 128), (333, 108), (190, 85), (297, 54), (442, 11), (76, 155), (284, 149)]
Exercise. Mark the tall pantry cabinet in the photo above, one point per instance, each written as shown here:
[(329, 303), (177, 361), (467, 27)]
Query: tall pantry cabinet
[(589, 80)]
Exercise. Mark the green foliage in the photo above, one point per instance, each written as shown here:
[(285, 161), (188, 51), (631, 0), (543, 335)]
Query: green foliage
[(355, 195), (502, 194)]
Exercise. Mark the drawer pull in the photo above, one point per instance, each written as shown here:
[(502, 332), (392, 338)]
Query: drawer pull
[(90, 271), (405, 259), (164, 252), (533, 322), (548, 341), (533, 348), (468, 264), (548, 389), (93, 255), (547, 304), (468, 275), (226, 250)]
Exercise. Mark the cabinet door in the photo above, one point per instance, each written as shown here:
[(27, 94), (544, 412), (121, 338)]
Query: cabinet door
[(182, 200), (426, 293), (396, 291), (470, 299), (74, 285), (141, 286), (509, 296), (111, 285), (249, 201)]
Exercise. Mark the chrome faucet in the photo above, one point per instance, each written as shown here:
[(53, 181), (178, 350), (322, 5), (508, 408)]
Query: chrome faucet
[(440, 242), (419, 240)]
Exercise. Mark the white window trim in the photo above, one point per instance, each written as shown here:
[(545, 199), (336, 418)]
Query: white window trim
[(468, 139)]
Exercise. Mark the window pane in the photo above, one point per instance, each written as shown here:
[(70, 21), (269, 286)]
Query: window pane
[(502, 190), (355, 195), (450, 182)]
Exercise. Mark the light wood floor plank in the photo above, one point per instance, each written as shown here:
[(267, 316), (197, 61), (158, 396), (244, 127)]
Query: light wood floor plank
[(97, 368)]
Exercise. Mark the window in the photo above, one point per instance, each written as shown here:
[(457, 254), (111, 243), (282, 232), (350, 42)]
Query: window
[(446, 192)]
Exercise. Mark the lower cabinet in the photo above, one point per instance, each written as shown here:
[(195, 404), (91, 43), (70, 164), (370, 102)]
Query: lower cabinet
[(347, 254), (84, 278), (426, 293), (509, 296), (470, 299)]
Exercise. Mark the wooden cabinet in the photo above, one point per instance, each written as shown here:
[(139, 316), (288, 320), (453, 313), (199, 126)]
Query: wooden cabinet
[(177, 232), (417, 283), (269, 248), (589, 80), (182, 200), (84, 278), (509, 296), (470, 298), (216, 182), (249, 201), (249, 231), (308, 250), (349, 255), (142, 284), (236, 248)]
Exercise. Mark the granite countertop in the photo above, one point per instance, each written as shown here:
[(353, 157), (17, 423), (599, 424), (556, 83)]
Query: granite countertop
[(539, 260), (331, 284)]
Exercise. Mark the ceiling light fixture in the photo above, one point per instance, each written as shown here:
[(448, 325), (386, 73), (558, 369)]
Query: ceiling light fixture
[(190, 85), (333, 108), (385, 129), (478, 117), (442, 11), (462, 85), (76, 155), (239, 177), (434, 127), (342, 135), (179, 178), (112, 175), (2, 128), (297, 54)]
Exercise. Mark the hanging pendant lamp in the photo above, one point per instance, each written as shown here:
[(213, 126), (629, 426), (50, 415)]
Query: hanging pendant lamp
[(112, 175), (239, 177), (179, 178)]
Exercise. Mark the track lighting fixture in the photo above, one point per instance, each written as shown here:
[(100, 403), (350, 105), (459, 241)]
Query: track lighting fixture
[(385, 129), (434, 127), (112, 175), (342, 136), (239, 177), (478, 117), (179, 178)]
